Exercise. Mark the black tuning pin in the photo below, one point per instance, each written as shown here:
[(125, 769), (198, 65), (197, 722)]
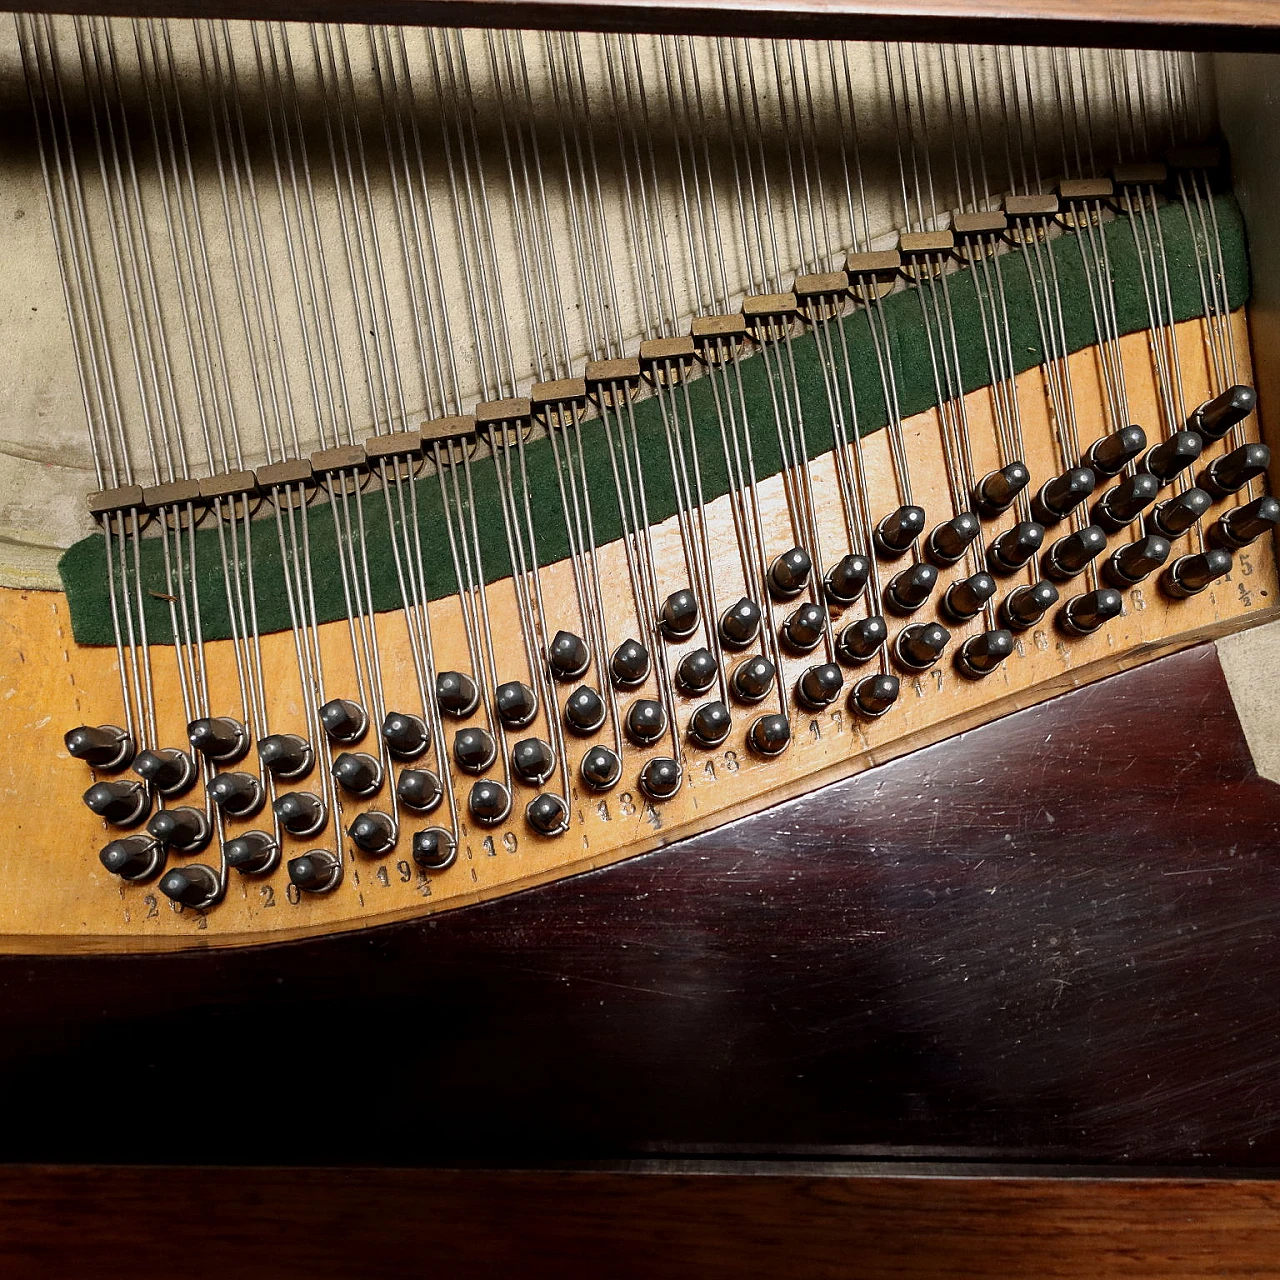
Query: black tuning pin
[(286, 756), (474, 749), (419, 789), (646, 722), (316, 872), (770, 735), (373, 833), (489, 802), (547, 814), (803, 629), (898, 530), (121, 804), (1083, 615), (740, 624), (1072, 554), (533, 761), (584, 710), (1024, 607), (181, 829), (1137, 560), (434, 849), (752, 679), (1015, 547), (405, 735), (862, 639), (980, 655), (568, 656), (660, 778), (133, 857), (343, 720), (168, 770), (789, 573), (1109, 456), (238, 795), (679, 617), (254, 853), (910, 588), (1230, 473), (300, 813), (1126, 502), (948, 542), (358, 773), (697, 671), (193, 886), (1173, 457), (456, 693), (847, 580), (819, 686), (1216, 417), (1243, 525), (219, 738), (1190, 575), (102, 746), (710, 724), (517, 705), (874, 695), (966, 598), (1174, 516), (997, 490), (1061, 496), (600, 768), (919, 646), (629, 665)]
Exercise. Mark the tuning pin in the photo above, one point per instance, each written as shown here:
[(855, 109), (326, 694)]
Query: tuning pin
[(252, 853), (419, 790), (584, 710), (133, 857), (997, 490), (568, 656), (1216, 417), (286, 756), (629, 665), (1083, 615), (1015, 547), (819, 686), (770, 735), (547, 814), (646, 722), (181, 829), (358, 773), (121, 804), (1189, 575), (456, 693), (874, 695), (168, 770), (1024, 607), (660, 778), (679, 617), (740, 624), (343, 720), (533, 761), (910, 588), (1126, 502), (300, 813), (219, 738), (373, 833), (474, 749), (434, 849), (1061, 496), (1137, 560), (600, 768), (1243, 525), (194, 885), (789, 573), (1174, 516), (238, 795), (1072, 554), (966, 598), (315, 872), (804, 628), (949, 541), (919, 646), (697, 671), (1109, 456), (489, 802), (862, 639), (980, 655), (1230, 473), (752, 679), (405, 735), (1174, 456), (847, 580), (102, 746), (898, 530), (517, 705), (710, 724)]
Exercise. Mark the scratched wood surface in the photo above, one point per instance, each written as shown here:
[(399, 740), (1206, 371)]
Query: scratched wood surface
[(57, 685)]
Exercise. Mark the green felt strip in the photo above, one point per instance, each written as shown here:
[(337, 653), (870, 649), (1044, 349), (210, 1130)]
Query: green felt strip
[(83, 567)]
